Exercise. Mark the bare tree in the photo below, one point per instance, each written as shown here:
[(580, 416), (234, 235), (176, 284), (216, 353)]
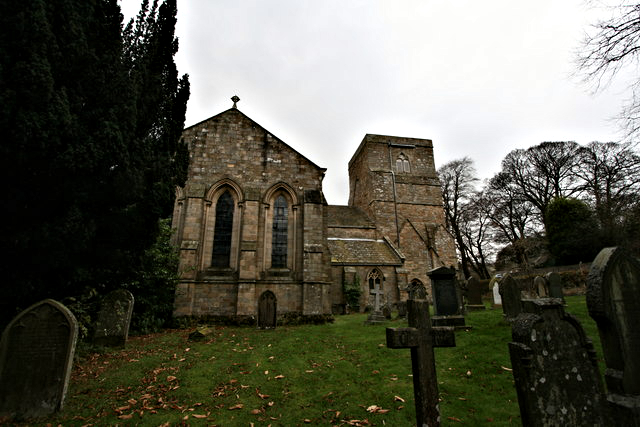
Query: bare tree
[(511, 216), (457, 179), (542, 172), (476, 233), (613, 45), (610, 174)]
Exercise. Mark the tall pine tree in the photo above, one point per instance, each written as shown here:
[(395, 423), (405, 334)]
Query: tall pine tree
[(91, 116)]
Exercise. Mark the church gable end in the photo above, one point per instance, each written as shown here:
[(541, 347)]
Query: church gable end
[(254, 228)]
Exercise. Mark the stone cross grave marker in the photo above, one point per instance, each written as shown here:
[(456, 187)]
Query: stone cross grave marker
[(421, 338), (474, 294), (114, 318), (446, 297), (376, 315), (511, 301), (555, 285), (36, 356), (555, 368), (613, 289)]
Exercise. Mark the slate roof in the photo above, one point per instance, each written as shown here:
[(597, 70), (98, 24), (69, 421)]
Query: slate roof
[(347, 216), (362, 252)]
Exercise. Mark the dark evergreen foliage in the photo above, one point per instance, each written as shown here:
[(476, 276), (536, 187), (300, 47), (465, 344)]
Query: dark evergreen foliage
[(91, 120), (572, 231)]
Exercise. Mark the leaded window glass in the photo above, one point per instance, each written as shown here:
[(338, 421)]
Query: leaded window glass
[(279, 241), (223, 231)]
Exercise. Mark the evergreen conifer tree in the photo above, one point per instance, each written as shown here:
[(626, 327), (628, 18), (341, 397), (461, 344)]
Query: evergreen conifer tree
[(91, 119)]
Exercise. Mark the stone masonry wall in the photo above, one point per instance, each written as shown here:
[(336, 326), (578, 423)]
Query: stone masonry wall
[(415, 208), (231, 151)]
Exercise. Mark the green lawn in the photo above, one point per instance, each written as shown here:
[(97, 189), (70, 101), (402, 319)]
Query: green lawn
[(337, 374)]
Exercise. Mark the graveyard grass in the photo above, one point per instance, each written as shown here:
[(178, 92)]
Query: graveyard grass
[(336, 374)]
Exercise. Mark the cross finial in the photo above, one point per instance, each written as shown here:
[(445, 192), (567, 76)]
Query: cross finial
[(235, 100)]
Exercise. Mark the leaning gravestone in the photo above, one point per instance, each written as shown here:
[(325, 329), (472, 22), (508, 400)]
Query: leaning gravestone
[(613, 289), (114, 318), (555, 285), (474, 295), (36, 356), (446, 298), (555, 368), (511, 301), (540, 287)]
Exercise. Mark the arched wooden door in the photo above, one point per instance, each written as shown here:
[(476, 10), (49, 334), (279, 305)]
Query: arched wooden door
[(267, 310)]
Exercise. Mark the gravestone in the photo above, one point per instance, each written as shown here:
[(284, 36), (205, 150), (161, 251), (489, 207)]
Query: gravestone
[(376, 315), (114, 318), (511, 301), (555, 285), (421, 338), (386, 311), (613, 289), (540, 287), (497, 299), (402, 309), (474, 295), (446, 298), (417, 290), (555, 368), (36, 356)]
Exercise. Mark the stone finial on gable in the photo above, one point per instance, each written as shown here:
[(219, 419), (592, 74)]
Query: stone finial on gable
[(235, 99)]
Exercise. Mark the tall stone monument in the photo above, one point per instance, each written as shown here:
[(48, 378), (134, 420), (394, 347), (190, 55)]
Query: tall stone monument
[(447, 301)]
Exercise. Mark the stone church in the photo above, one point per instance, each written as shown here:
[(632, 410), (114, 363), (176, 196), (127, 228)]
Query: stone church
[(258, 241)]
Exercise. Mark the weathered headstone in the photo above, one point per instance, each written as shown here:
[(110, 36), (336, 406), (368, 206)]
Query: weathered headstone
[(446, 298), (114, 318), (474, 294), (555, 368), (386, 311), (36, 356), (417, 290), (402, 309), (613, 289), (540, 287), (511, 300), (376, 315), (421, 338), (497, 299), (555, 285)]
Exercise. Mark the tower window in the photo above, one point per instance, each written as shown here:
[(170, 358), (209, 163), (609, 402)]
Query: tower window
[(402, 164)]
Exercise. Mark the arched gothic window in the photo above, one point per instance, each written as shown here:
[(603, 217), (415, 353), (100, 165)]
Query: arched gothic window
[(279, 240), (375, 279), (223, 231), (402, 164)]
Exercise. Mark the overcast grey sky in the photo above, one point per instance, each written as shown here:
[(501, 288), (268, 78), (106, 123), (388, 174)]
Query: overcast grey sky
[(478, 78)]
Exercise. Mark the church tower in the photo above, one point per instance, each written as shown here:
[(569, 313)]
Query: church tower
[(394, 180)]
